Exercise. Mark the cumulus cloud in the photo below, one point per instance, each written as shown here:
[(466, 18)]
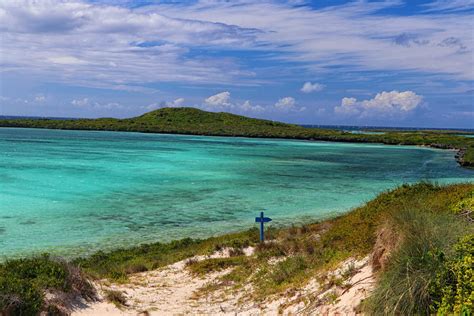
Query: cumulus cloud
[(219, 101), (80, 102), (90, 104), (384, 103), (309, 87), (175, 103), (222, 102), (288, 104), (248, 107), (165, 104)]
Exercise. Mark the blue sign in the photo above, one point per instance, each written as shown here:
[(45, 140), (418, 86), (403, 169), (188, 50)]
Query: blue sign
[(262, 219)]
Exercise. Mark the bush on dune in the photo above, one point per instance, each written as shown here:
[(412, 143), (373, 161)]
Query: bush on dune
[(453, 289)]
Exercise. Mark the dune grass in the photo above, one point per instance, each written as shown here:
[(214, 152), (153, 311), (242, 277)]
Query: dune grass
[(408, 286)]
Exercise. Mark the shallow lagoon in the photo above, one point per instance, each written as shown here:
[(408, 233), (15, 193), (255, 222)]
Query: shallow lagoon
[(74, 192)]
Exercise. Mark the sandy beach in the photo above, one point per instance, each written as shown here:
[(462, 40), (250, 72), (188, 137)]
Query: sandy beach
[(173, 290)]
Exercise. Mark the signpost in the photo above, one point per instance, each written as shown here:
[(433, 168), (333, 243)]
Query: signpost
[(262, 220)]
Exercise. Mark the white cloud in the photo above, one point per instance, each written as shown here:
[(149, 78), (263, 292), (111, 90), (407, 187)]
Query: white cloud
[(97, 45), (80, 102), (222, 102), (175, 103), (383, 104), (118, 47), (248, 107), (165, 104), (34, 101), (40, 98), (87, 103), (288, 104), (450, 5), (309, 87), (292, 32), (219, 101), (66, 60)]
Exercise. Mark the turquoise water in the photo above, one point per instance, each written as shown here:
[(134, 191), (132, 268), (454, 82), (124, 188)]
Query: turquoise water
[(73, 192)]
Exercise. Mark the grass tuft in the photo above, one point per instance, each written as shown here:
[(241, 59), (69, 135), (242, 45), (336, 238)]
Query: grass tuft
[(204, 267), (427, 240), (115, 297)]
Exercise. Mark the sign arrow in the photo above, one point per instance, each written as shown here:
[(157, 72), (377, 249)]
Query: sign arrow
[(262, 219)]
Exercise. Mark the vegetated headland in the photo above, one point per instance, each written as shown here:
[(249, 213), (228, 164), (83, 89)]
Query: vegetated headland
[(197, 122), (416, 243)]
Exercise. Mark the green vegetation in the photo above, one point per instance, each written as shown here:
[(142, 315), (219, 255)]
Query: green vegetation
[(411, 283), (24, 282), (116, 265), (453, 290), (215, 264), (196, 122), (429, 269)]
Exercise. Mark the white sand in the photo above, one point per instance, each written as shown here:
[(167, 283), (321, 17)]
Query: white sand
[(172, 291)]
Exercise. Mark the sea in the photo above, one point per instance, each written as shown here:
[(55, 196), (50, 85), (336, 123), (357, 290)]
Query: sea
[(75, 192)]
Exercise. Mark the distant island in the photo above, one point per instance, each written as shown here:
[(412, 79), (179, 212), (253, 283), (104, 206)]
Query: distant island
[(193, 121)]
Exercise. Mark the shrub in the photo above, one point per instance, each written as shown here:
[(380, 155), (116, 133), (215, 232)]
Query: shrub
[(453, 290), (287, 269), (23, 283)]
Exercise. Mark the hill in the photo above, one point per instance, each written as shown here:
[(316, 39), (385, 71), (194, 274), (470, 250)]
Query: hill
[(197, 122), (171, 120)]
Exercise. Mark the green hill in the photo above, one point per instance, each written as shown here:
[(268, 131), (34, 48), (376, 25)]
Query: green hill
[(197, 122), (172, 120)]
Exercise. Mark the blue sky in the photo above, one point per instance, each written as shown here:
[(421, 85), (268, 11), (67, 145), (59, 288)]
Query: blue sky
[(391, 63)]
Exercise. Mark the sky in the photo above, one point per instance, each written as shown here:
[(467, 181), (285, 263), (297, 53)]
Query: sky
[(379, 63)]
